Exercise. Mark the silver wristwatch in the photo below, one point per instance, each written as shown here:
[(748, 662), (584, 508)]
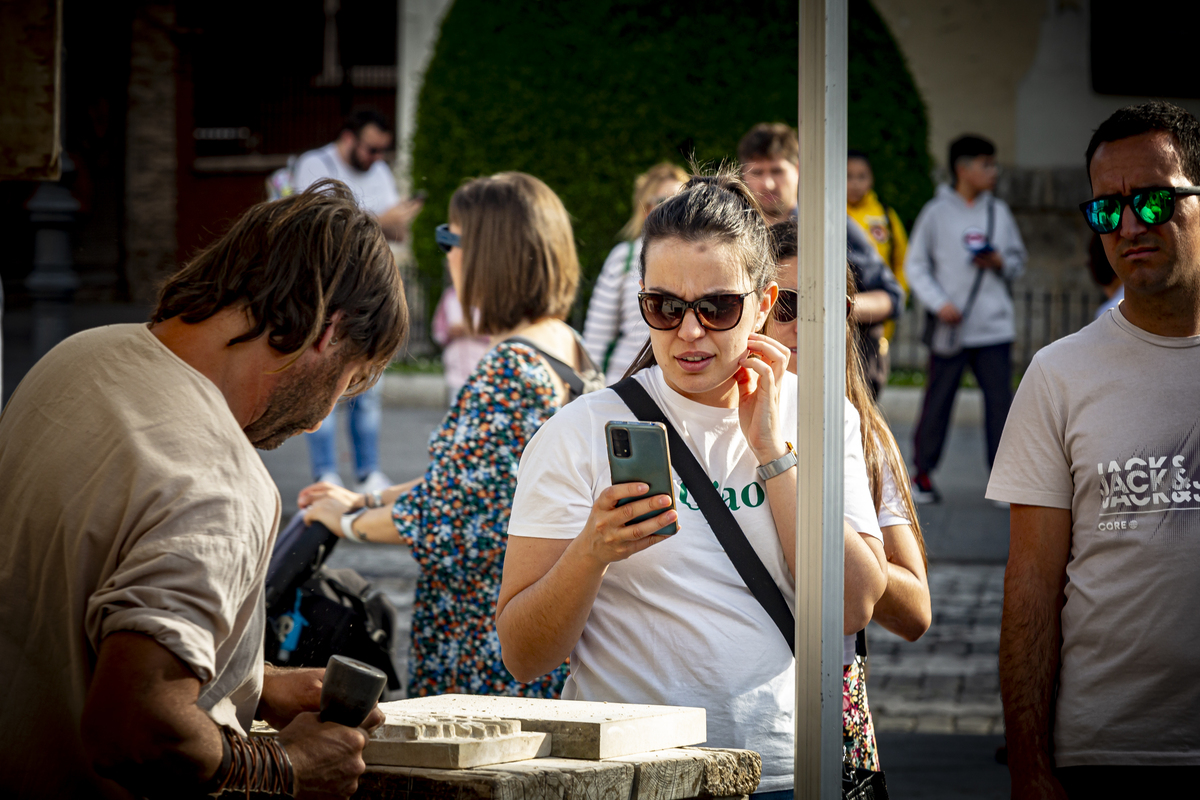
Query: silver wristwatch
[(779, 466), (348, 531)]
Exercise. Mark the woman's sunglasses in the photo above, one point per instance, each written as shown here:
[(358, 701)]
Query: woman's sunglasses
[(785, 305), (445, 239), (1153, 206), (715, 312)]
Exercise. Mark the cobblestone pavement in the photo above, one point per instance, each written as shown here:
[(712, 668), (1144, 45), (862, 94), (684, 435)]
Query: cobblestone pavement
[(948, 680)]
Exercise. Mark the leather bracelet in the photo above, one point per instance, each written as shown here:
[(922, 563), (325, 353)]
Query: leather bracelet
[(779, 466), (259, 765), (348, 531), (213, 785)]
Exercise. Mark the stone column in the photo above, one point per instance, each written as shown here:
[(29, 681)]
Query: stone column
[(150, 165)]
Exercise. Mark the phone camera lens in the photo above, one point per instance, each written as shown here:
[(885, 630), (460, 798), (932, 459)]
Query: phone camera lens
[(620, 441)]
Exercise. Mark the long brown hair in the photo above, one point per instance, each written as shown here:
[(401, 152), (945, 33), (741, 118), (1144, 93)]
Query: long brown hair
[(716, 207), (294, 263), (878, 443)]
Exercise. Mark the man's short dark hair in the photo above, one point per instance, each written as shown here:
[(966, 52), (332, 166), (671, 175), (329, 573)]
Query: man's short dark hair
[(968, 146), (363, 117), (769, 140), (1153, 116), (785, 241), (852, 154), (293, 263)]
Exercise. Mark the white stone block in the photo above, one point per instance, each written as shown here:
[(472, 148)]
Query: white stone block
[(579, 729)]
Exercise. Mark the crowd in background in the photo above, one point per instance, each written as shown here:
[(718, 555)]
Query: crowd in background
[(540, 575)]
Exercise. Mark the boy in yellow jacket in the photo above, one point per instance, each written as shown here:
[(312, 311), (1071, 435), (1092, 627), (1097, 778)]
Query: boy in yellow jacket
[(878, 220)]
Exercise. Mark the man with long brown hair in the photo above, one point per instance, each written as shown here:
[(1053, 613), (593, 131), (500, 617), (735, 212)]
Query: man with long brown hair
[(140, 520)]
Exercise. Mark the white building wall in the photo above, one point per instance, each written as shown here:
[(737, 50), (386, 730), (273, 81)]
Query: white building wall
[(1056, 109), (419, 24)]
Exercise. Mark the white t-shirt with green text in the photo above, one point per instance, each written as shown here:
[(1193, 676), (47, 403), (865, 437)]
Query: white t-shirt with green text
[(675, 624)]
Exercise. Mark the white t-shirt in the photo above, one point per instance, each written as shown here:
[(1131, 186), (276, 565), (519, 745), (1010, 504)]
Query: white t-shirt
[(375, 189), (891, 510), (132, 501), (675, 624), (1105, 424)]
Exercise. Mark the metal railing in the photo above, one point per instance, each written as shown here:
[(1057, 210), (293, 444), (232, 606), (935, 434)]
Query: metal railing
[(1042, 316)]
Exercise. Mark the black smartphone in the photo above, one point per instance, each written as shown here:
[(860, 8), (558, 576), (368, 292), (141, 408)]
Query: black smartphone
[(638, 452)]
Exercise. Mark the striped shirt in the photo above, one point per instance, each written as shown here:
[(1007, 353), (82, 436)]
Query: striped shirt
[(614, 331)]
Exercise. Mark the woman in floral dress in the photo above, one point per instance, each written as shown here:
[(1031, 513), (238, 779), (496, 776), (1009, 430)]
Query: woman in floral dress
[(512, 260)]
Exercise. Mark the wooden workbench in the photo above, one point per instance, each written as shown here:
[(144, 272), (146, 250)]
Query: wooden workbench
[(662, 775)]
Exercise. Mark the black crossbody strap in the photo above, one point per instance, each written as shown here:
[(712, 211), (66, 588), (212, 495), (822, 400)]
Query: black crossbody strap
[(719, 517), (564, 370), (991, 224)]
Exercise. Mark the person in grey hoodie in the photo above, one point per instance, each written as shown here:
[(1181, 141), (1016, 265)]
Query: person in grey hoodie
[(964, 253)]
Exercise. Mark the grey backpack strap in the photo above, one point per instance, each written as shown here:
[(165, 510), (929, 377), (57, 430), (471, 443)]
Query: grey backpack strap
[(578, 383)]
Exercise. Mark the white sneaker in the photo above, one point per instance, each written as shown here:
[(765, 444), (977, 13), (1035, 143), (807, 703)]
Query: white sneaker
[(331, 477), (375, 482)]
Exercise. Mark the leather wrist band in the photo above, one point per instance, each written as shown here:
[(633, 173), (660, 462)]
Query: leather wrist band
[(258, 765), (213, 785), (779, 466), (348, 531)]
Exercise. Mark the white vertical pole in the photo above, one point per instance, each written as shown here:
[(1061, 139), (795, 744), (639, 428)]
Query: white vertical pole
[(821, 353)]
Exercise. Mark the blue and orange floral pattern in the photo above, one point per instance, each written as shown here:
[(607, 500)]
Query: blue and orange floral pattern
[(456, 522)]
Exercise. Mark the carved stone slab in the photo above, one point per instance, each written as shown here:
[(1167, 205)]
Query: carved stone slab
[(578, 729), (452, 742)]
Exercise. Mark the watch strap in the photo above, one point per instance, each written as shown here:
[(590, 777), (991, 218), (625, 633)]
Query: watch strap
[(348, 531), (779, 466)]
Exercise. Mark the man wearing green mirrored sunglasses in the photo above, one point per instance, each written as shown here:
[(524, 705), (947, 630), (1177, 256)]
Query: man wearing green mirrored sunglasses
[(1100, 459)]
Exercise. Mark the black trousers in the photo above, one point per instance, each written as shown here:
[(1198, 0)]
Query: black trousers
[(1125, 781), (992, 367)]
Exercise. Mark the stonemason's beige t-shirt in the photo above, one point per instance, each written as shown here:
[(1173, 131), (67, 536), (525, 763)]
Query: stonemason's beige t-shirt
[(130, 500), (1107, 424)]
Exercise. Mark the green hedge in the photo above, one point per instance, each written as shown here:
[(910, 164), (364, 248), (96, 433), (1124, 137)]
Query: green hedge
[(887, 117), (585, 95)]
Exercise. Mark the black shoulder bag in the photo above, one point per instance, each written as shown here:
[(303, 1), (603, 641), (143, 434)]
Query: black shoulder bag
[(857, 784)]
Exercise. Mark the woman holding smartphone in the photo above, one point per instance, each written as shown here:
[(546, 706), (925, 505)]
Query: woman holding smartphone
[(904, 608), (512, 260), (668, 620)]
